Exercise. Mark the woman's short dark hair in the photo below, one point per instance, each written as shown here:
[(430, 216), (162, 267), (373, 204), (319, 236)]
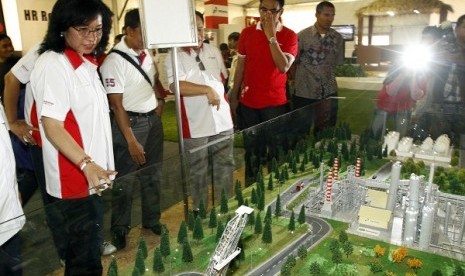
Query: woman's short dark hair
[(69, 13)]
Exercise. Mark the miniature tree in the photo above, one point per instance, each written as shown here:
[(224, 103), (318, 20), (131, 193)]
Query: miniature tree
[(301, 218), (202, 210), (240, 198), (315, 269), (197, 234), (274, 165), (277, 209), (190, 220), (277, 174), (253, 198), (414, 264), (379, 251), (113, 268), (261, 202), (270, 182), (305, 160), (241, 255), (291, 225), (286, 173), (246, 202), (258, 225), (348, 248), (458, 271), (302, 167), (182, 233), (267, 236), (399, 254), (219, 230), (213, 222), (334, 245), (238, 187), (165, 247), (261, 183), (294, 167), (140, 265), (285, 270), (302, 252), (158, 261), (143, 247), (336, 256), (251, 219), (437, 272), (258, 191), (259, 177), (187, 256), (135, 271), (376, 266), (343, 237), (291, 260), (224, 203), (268, 214)]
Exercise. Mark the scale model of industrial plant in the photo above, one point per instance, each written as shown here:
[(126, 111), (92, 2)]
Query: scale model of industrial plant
[(411, 212)]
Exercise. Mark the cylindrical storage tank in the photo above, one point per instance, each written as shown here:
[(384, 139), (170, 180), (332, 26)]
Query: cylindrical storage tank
[(395, 176), (410, 226), (414, 191), (427, 221), (462, 230)]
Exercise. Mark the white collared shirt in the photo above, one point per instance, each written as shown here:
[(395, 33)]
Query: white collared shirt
[(11, 213), (120, 76)]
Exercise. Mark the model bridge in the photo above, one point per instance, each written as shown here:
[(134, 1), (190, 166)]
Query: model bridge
[(227, 249)]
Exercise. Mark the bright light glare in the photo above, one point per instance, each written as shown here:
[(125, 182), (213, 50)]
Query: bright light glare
[(417, 57)]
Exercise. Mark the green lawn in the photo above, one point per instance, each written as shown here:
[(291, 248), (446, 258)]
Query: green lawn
[(356, 109)]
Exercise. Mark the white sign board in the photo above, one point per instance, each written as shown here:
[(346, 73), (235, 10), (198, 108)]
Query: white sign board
[(168, 23)]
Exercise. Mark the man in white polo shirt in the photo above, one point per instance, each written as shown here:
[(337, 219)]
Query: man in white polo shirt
[(11, 214), (136, 127), (206, 117)]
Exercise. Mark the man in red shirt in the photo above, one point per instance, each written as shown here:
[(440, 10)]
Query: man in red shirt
[(266, 52)]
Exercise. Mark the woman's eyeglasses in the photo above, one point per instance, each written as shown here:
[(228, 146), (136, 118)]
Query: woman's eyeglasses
[(201, 66), (85, 31)]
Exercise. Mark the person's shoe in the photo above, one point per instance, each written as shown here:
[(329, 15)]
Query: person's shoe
[(107, 248), (118, 239)]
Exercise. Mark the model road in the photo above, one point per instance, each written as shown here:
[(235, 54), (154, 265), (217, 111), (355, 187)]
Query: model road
[(320, 229)]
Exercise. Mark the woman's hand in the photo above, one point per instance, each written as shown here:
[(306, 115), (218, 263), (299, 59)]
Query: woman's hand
[(98, 178)]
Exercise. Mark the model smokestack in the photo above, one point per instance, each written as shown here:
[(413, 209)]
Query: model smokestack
[(395, 176), (322, 173), (429, 195)]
